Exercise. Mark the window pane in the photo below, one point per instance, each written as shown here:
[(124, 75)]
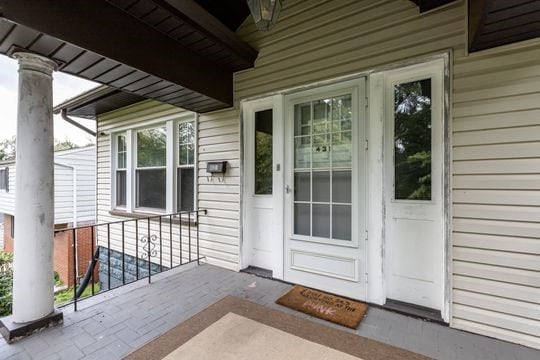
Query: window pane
[(342, 149), (302, 119), (321, 186), (301, 219), (302, 152), (121, 188), (185, 189), (186, 141), (321, 151), (151, 186), (341, 222), (341, 187), (321, 220), (151, 147), (412, 140), (263, 152), (302, 186), (121, 156)]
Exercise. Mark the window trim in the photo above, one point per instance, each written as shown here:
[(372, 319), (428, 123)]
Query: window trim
[(4, 173), (172, 156)]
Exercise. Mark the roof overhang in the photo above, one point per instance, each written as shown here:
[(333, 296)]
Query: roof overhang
[(173, 51), (428, 5)]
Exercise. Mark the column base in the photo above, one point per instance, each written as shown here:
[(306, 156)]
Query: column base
[(12, 331)]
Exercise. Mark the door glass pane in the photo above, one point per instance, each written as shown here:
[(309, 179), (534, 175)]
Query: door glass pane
[(321, 220), (263, 152), (412, 140), (185, 189), (321, 186), (186, 143), (151, 147), (151, 185), (302, 186), (341, 222), (301, 219), (341, 187), (323, 139)]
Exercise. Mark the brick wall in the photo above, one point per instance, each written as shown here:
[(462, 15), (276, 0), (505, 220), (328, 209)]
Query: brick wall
[(63, 251), (8, 241)]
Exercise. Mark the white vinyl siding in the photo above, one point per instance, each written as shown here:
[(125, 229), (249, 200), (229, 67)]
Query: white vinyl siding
[(83, 160), (219, 229), (496, 137)]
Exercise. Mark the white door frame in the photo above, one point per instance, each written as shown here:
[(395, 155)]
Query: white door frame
[(248, 110), (378, 192)]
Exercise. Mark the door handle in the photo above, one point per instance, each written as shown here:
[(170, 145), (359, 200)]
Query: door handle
[(287, 189)]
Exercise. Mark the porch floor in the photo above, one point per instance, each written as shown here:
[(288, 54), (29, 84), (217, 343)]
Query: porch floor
[(111, 325)]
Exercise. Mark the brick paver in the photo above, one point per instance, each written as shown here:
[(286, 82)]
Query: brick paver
[(111, 325)]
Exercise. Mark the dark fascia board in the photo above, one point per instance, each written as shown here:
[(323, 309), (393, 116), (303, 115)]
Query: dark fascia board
[(104, 29)]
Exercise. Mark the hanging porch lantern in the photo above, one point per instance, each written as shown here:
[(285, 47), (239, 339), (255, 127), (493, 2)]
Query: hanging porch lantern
[(265, 13)]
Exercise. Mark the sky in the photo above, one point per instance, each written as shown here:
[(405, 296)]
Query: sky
[(64, 87)]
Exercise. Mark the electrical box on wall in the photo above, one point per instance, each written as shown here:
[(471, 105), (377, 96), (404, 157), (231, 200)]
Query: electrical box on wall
[(217, 168)]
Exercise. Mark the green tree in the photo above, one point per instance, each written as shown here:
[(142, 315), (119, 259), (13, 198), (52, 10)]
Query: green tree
[(412, 142), (65, 144), (7, 149)]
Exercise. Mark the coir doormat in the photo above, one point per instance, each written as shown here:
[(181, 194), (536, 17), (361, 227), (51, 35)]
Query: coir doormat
[(326, 306)]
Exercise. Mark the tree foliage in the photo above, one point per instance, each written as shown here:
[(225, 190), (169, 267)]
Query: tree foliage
[(412, 140), (7, 149)]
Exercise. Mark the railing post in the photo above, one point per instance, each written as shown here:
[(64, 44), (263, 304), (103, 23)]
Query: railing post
[(180, 244), (92, 234), (74, 235), (109, 256), (137, 249), (160, 247), (149, 255), (189, 235), (197, 227), (170, 241), (123, 254)]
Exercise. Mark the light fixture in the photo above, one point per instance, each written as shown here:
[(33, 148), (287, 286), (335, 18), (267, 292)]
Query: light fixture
[(265, 13)]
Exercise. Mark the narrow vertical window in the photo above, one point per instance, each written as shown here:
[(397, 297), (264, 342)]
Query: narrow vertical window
[(263, 152), (412, 140), (185, 183), (151, 170), (121, 170), (4, 179)]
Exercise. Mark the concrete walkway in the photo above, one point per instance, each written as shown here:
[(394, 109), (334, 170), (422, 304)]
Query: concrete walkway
[(111, 325)]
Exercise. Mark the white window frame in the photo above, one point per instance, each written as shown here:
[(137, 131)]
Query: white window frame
[(172, 150), (177, 164)]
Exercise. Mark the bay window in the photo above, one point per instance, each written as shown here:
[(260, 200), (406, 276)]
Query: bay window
[(154, 167)]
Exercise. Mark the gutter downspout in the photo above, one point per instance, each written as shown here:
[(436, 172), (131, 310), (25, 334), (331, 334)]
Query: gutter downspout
[(63, 113)]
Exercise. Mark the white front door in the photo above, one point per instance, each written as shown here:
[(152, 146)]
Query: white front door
[(414, 167), (263, 185), (325, 188)]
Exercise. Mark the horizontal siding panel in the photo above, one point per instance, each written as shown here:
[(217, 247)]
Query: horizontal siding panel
[(494, 303), (505, 104), (497, 288), (497, 121), (511, 87), (514, 166), (496, 242), (501, 258), (500, 182), (501, 197), (498, 273), (500, 320), (497, 136), (498, 151), (494, 227), (506, 213)]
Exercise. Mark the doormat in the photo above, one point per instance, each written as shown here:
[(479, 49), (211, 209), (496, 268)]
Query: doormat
[(325, 306)]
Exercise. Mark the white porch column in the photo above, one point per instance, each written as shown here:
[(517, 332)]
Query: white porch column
[(33, 296)]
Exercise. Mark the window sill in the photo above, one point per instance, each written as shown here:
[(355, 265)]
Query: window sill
[(144, 215)]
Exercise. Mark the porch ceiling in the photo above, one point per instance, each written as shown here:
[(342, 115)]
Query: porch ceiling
[(495, 23), (427, 5), (174, 51)]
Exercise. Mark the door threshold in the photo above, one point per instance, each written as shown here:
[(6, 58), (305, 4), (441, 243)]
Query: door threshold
[(413, 310), (253, 270)]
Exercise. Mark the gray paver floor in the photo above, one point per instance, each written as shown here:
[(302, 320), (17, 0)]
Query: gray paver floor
[(111, 325)]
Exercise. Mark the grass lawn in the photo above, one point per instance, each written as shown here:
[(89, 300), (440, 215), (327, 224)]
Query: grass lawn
[(67, 295)]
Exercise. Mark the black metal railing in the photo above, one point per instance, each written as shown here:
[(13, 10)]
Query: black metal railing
[(118, 253)]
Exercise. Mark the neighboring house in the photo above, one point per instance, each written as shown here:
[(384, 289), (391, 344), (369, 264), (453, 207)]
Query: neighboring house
[(373, 150), (75, 205)]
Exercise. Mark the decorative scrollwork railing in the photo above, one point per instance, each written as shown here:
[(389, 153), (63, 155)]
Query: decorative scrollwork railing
[(149, 246)]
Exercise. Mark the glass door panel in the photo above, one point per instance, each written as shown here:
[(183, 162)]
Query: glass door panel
[(323, 156)]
